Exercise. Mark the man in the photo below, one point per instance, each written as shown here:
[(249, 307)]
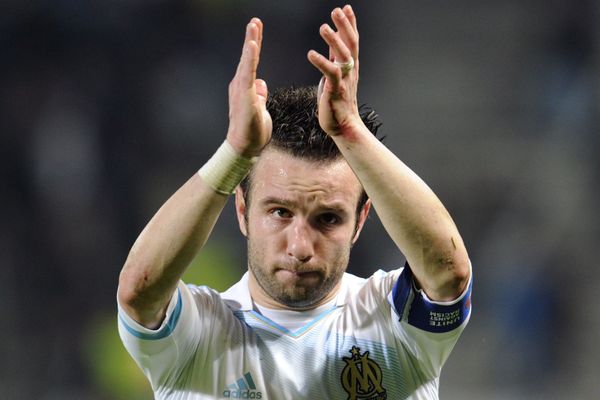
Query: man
[(296, 326)]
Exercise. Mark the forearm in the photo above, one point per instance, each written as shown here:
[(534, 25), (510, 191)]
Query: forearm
[(411, 213), (165, 248), (413, 216), (181, 227)]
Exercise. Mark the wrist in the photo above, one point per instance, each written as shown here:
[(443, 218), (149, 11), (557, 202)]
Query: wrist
[(226, 169), (351, 131), (243, 148)]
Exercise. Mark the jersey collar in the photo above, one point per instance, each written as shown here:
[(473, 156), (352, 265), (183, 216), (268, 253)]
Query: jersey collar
[(238, 296)]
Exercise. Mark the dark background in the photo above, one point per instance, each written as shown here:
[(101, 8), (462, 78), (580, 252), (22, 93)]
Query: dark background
[(107, 107)]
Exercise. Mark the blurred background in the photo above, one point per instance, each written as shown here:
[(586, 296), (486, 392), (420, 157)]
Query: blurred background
[(107, 107)]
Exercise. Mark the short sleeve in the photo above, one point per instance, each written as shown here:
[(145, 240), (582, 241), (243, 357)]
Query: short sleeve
[(161, 351), (428, 329)]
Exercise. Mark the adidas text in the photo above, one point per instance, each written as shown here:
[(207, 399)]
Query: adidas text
[(242, 394)]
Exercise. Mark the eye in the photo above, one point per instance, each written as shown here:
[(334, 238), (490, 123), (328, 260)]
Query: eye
[(329, 219), (281, 213)]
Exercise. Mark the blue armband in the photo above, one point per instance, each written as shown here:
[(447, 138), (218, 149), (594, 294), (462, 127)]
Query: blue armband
[(425, 314)]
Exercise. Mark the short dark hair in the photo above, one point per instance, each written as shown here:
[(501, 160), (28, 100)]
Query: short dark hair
[(296, 129)]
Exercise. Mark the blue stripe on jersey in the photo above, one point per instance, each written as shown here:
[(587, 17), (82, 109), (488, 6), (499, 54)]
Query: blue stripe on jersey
[(314, 321), (298, 332), (271, 323), (427, 315), (165, 330)]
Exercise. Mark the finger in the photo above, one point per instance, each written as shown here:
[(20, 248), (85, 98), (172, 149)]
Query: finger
[(330, 71), (261, 90), (346, 31), (244, 46), (351, 17), (246, 71), (259, 26), (340, 50), (262, 93)]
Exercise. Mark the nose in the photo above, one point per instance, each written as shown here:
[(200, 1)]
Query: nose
[(299, 242)]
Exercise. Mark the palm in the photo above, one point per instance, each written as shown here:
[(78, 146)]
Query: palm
[(338, 107), (250, 124)]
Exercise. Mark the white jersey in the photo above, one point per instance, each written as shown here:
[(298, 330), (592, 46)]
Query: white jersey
[(382, 339)]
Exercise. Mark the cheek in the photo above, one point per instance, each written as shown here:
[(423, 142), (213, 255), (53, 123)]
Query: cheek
[(344, 236), (256, 222), (338, 246), (262, 226), (266, 234)]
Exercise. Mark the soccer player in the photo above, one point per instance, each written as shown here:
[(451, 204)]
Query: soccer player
[(297, 326)]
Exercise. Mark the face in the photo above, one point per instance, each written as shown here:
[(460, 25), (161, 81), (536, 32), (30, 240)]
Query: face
[(301, 224)]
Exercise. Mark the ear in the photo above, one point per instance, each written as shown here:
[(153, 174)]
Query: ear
[(240, 210), (362, 217)]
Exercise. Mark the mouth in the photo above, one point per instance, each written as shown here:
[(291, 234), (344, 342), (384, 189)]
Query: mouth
[(291, 275)]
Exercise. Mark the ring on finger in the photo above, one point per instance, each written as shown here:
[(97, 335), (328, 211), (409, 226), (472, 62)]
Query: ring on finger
[(345, 66)]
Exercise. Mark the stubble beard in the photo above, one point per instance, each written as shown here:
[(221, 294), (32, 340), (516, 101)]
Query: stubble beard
[(298, 296)]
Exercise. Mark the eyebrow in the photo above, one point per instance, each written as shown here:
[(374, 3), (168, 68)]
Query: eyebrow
[(276, 200), (334, 206)]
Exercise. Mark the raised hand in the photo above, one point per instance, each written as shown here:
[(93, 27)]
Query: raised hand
[(337, 96), (250, 124)]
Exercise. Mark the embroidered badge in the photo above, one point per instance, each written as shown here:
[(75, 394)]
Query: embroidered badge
[(362, 377)]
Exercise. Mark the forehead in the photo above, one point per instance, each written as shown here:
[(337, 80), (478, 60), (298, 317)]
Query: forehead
[(281, 175)]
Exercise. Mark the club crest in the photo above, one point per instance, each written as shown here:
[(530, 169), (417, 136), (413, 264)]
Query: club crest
[(362, 377)]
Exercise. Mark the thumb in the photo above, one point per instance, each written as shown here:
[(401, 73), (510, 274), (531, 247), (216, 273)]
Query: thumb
[(320, 89), (262, 93), (261, 90)]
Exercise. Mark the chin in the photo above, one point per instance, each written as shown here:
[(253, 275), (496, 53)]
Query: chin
[(301, 298), (299, 304)]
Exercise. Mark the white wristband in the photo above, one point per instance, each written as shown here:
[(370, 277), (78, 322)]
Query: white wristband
[(226, 169)]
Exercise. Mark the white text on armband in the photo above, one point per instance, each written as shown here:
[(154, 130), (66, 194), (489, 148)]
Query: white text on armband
[(444, 319)]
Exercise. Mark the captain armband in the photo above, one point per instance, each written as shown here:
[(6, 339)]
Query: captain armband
[(418, 310), (226, 169)]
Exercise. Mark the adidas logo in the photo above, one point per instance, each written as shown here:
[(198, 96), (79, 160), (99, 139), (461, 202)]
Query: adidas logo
[(243, 388)]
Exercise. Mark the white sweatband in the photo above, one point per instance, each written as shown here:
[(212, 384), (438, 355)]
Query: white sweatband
[(225, 169)]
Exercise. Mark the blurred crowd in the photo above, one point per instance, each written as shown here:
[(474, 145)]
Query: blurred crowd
[(107, 107)]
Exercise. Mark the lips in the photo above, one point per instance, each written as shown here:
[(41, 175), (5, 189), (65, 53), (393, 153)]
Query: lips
[(288, 274), (297, 272)]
